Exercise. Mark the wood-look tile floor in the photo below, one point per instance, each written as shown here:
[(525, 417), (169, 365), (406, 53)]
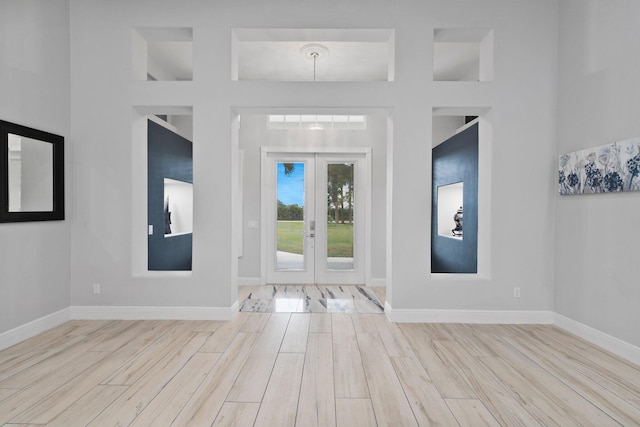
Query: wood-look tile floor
[(313, 369)]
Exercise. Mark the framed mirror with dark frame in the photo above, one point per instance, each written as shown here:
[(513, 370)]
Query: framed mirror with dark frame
[(32, 174)]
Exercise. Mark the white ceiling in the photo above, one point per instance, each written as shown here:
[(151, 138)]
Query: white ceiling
[(456, 61), (175, 58), (281, 60)]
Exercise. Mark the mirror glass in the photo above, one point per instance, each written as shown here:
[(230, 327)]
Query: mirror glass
[(30, 166), (450, 210)]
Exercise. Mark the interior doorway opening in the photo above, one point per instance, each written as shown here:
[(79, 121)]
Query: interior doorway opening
[(349, 131)]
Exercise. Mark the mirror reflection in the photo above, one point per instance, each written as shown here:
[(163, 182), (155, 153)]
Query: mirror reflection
[(30, 177)]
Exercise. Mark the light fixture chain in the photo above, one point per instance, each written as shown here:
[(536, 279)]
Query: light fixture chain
[(315, 57)]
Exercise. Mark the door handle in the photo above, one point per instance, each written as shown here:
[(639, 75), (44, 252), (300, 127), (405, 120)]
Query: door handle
[(312, 235)]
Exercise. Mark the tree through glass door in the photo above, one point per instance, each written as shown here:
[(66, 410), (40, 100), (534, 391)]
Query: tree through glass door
[(340, 215)]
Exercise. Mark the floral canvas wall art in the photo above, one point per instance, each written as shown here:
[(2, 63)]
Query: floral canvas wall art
[(606, 169)]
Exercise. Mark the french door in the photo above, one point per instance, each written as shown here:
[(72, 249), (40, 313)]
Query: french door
[(315, 217)]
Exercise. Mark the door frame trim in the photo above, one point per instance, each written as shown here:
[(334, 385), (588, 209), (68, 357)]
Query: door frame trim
[(264, 194)]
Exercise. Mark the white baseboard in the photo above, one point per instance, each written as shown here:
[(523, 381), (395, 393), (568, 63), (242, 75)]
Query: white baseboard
[(149, 313), (33, 328), (612, 344), (377, 282), (468, 316), (387, 312), (249, 281)]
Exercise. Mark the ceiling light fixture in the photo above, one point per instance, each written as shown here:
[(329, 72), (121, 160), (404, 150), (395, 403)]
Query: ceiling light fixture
[(314, 52)]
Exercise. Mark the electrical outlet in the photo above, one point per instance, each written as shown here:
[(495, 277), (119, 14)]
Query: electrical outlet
[(516, 292), (96, 288)]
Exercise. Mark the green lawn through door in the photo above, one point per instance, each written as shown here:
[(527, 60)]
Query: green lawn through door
[(339, 238)]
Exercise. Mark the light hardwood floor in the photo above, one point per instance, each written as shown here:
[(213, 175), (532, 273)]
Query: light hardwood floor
[(313, 369)]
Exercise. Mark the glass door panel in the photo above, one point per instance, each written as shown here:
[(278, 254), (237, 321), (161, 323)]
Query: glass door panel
[(289, 190), (290, 216), (340, 216), (341, 198)]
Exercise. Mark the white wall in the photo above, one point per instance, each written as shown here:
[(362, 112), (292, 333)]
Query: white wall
[(254, 134), (597, 266), (522, 101), (522, 97), (34, 91), (444, 127), (104, 198), (184, 126)]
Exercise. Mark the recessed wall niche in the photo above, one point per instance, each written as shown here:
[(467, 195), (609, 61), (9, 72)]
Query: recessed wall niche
[(463, 54), (313, 54), (163, 54), (162, 169), (450, 202), (461, 180), (169, 198), (455, 161)]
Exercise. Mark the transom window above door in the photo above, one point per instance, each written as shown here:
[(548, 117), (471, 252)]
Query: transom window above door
[(317, 122)]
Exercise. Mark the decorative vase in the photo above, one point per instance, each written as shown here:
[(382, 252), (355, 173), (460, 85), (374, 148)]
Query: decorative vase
[(457, 219)]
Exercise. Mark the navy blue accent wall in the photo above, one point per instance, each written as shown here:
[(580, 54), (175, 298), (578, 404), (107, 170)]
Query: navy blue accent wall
[(169, 156), (456, 160)]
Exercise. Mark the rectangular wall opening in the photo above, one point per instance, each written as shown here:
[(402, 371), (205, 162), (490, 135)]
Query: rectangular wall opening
[(313, 54), (463, 54), (461, 220), (151, 183), (163, 54)]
